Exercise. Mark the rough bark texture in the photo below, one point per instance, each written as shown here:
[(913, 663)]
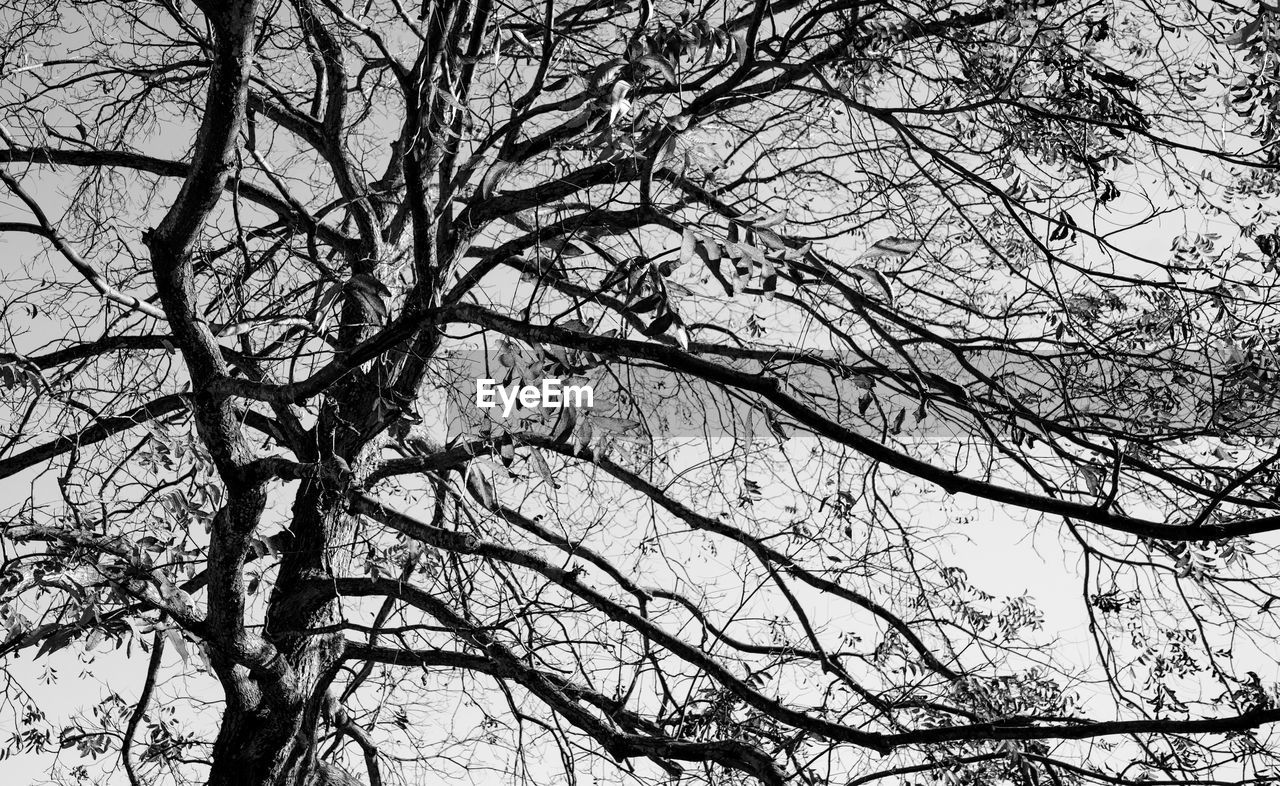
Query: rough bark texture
[(273, 697)]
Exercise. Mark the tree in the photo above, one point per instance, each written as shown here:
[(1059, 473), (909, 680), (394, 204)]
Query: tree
[(901, 268)]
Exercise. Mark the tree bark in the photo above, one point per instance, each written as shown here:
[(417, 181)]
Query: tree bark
[(274, 683), (270, 732)]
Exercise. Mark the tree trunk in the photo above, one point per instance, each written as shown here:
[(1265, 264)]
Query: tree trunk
[(269, 734), (272, 744)]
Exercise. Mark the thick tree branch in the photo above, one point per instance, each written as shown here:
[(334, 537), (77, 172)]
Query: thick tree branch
[(771, 390), (100, 430), (166, 168)]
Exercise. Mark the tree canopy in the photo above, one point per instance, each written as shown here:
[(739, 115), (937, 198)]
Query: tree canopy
[(880, 303)]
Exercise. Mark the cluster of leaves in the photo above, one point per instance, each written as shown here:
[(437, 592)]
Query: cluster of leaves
[(1256, 95)]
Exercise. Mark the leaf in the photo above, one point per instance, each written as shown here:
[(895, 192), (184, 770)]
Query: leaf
[(318, 316), (20, 371), (688, 246), (897, 421), (489, 183), (660, 325), (744, 257), (1092, 480), (563, 247), (681, 335), (1244, 35), (179, 644), (1065, 227), (363, 282), (750, 254), (769, 278), (619, 106), (606, 72), (893, 246), (770, 286), (771, 239), (771, 221), (871, 276), (671, 149), (637, 277), (581, 436), (619, 425), (543, 468), (507, 354), (520, 39), (575, 325), (739, 46), (711, 251), (559, 83), (646, 304), (96, 637), (481, 486), (660, 64), (559, 356)]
